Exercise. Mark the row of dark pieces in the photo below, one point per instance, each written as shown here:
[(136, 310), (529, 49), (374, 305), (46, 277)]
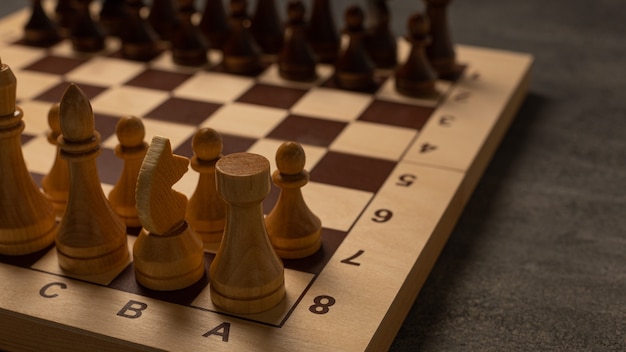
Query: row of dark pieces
[(299, 45)]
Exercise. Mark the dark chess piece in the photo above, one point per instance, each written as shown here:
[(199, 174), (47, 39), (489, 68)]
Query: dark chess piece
[(139, 40), (86, 35), (354, 69), (379, 41), (214, 24), (323, 35), (441, 50), (163, 18), (242, 54), (266, 27), (296, 60), (64, 16), (111, 16), (189, 46), (416, 77), (40, 30)]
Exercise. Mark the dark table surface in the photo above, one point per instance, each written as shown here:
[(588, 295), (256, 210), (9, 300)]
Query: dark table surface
[(538, 258)]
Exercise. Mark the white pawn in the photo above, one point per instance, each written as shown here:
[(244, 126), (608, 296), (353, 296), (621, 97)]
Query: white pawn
[(293, 229), (206, 211), (132, 149)]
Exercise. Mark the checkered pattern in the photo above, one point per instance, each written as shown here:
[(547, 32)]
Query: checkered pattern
[(352, 140)]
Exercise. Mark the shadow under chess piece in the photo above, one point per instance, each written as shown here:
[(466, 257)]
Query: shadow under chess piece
[(246, 275), (91, 238), (168, 254), (206, 211), (292, 227), (27, 219)]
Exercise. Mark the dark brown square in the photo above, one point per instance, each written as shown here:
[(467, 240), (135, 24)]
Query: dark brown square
[(231, 144), (105, 125), (352, 171), (397, 114), (156, 79), (307, 130), (109, 166), (55, 64), (54, 94), (274, 96), (190, 112)]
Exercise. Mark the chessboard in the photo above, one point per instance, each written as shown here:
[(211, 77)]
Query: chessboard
[(390, 176)]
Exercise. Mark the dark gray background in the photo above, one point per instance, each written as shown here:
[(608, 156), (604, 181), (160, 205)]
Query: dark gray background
[(538, 258)]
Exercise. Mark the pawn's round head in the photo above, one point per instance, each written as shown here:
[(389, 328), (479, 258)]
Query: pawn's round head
[(207, 144), (130, 131), (53, 118), (290, 158)]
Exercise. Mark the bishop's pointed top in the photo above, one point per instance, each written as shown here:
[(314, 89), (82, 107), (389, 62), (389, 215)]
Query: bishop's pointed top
[(76, 115)]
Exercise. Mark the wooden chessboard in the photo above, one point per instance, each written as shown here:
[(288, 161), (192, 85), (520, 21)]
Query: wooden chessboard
[(390, 176)]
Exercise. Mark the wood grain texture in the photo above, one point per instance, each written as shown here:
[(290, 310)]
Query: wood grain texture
[(206, 211), (26, 218), (91, 238), (393, 240), (168, 254), (246, 275), (292, 227)]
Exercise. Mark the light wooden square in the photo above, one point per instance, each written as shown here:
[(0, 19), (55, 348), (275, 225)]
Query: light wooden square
[(374, 140)]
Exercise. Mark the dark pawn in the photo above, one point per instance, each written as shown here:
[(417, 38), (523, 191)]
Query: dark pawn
[(241, 53), (416, 77), (296, 61), (163, 18), (380, 42), (139, 40), (111, 16), (86, 35), (266, 27), (64, 16), (40, 30), (354, 69), (189, 47), (214, 24), (323, 34), (441, 51)]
